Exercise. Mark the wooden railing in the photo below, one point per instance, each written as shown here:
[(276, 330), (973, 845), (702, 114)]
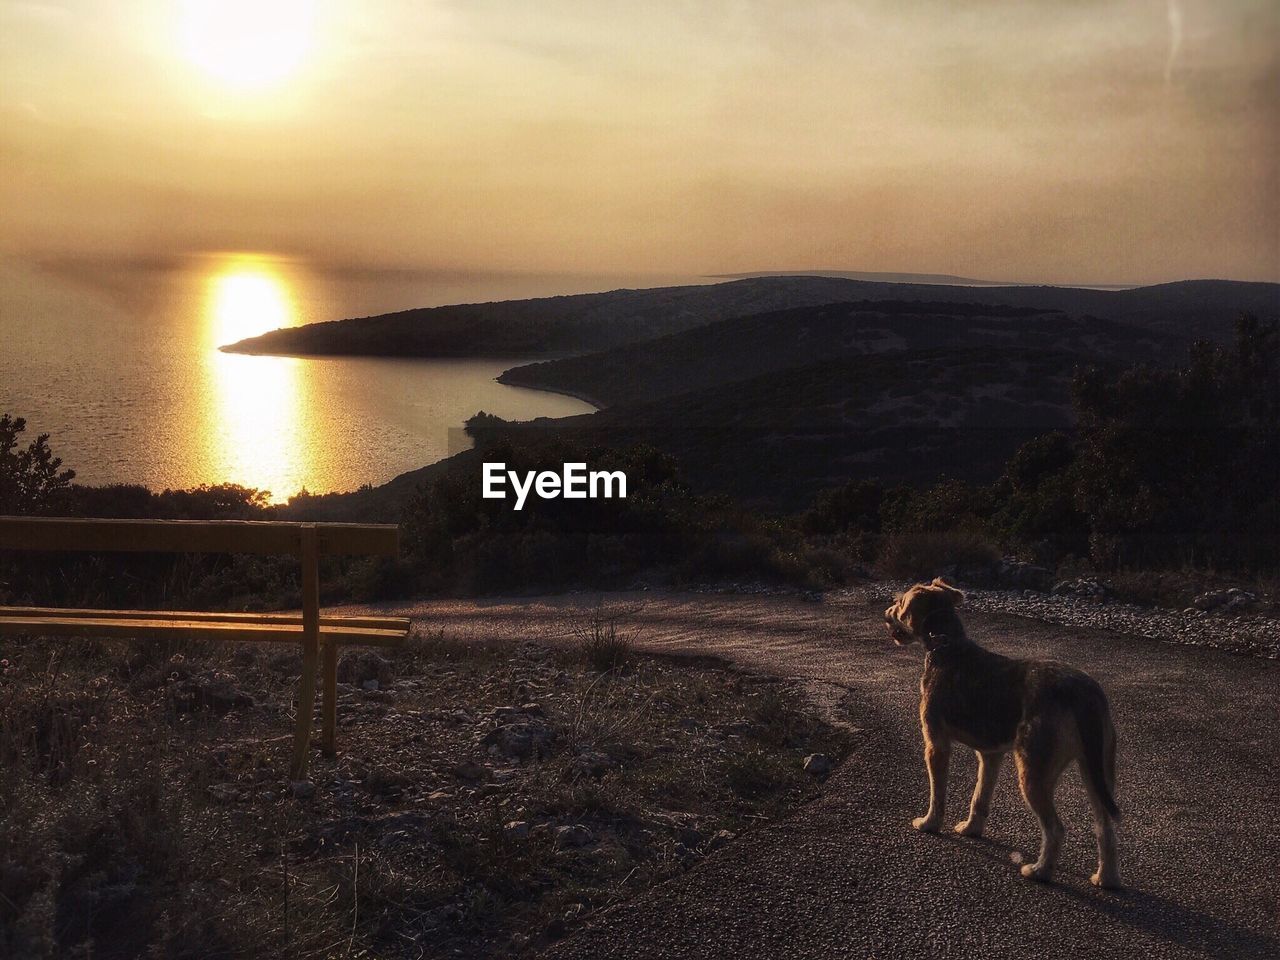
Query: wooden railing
[(319, 636)]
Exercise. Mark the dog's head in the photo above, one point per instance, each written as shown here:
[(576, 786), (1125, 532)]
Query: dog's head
[(924, 609)]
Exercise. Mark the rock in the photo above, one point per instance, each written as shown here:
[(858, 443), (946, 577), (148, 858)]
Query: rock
[(522, 741), (684, 826), (405, 829), (1233, 600), (224, 792), (1088, 588), (575, 835), (470, 770), (503, 715), (370, 685), (720, 838), (358, 666), (302, 789), (385, 782), (817, 765), (1017, 574), (211, 690), (516, 830), (592, 763), (1210, 600)]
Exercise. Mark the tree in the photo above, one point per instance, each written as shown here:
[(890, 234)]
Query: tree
[(1180, 465), (31, 476)]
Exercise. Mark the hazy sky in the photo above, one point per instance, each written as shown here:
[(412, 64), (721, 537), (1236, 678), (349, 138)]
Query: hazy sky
[(1055, 140)]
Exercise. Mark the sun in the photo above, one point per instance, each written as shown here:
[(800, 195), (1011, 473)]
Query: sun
[(246, 295), (248, 44)]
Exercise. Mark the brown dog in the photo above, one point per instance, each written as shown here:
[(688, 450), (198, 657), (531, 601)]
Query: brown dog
[(1047, 713)]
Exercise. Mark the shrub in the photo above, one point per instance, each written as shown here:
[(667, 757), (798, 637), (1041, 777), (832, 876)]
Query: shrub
[(462, 543), (923, 554), (855, 506), (601, 644), (1037, 497), (1179, 465), (31, 477)]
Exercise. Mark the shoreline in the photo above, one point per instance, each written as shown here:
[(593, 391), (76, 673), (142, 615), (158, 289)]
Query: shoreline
[(575, 394)]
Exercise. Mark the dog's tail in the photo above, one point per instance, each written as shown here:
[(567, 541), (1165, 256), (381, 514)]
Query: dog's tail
[(1098, 760)]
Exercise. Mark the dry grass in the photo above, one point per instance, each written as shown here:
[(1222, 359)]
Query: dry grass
[(134, 821), (601, 640)]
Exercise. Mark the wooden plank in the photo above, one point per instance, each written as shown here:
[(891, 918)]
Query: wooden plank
[(194, 536), (192, 616), (310, 650), (138, 629)]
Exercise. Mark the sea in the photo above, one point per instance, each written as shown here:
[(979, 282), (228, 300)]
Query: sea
[(118, 361)]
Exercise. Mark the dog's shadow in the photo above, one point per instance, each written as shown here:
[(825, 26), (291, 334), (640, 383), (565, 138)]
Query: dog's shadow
[(1141, 909)]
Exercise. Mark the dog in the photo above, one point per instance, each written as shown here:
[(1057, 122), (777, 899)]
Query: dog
[(1048, 714)]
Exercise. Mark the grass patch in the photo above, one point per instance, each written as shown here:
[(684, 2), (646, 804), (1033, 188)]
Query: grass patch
[(486, 799)]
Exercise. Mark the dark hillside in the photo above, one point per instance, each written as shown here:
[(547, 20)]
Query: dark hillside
[(546, 326), (561, 325), (742, 348), (777, 439)]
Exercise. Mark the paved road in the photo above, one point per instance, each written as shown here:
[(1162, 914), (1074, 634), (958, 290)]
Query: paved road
[(846, 876)]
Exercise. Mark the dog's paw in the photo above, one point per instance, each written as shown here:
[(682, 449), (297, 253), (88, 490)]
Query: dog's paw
[(1037, 872), (926, 825), (970, 828), (1109, 880)]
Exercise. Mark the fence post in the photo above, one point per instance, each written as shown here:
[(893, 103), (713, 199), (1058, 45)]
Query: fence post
[(310, 553)]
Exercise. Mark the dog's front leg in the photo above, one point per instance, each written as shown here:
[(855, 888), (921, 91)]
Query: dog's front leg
[(937, 756)]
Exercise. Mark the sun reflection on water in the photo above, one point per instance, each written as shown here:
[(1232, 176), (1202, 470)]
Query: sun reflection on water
[(258, 431)]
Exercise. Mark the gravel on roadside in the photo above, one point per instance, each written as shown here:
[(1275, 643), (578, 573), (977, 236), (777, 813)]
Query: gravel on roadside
[(1250, 634)]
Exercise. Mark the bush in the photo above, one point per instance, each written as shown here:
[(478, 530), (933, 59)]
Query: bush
[(923, 554), (855, 506), (1038, 499), (31, 477), (1170, 468), (1178, 465), (462, 543)]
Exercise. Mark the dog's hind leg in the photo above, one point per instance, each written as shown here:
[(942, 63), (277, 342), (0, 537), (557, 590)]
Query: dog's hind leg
[(988, 771), (1104, 828), (1098, 771), (1037, 777)]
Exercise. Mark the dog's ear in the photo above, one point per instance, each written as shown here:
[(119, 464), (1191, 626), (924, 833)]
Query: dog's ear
[(955, 596)]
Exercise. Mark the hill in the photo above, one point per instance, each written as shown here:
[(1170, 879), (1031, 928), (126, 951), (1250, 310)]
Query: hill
[(879, 276), (554, 326), (777, 439), (547, 326), (730, 350)]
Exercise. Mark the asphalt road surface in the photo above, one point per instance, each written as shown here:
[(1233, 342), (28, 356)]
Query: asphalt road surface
[(847, 876)]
